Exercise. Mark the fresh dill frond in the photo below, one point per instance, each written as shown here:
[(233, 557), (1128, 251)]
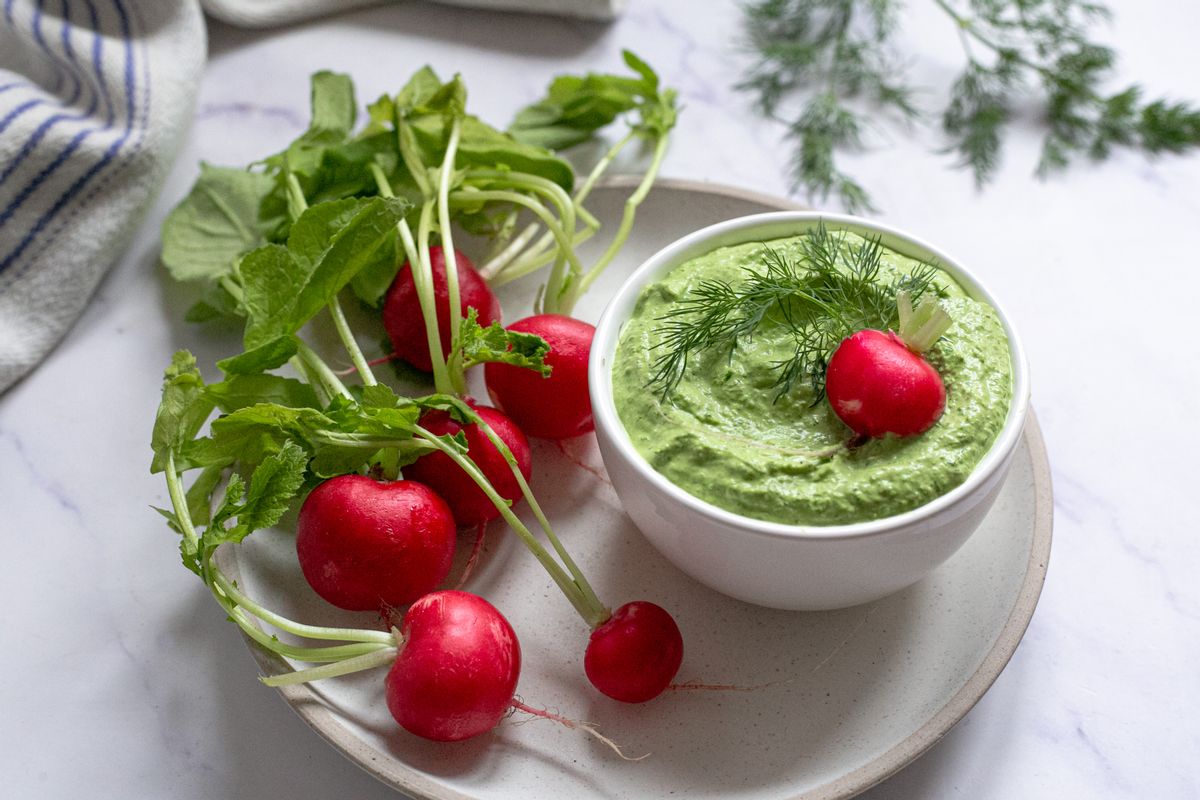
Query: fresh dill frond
[(832, 65), (832, 52), (832, 289)]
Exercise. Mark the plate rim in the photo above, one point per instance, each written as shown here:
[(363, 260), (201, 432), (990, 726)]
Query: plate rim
[(306, 703)]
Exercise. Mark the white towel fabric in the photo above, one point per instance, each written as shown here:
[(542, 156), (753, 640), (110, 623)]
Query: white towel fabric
[(268, 13), (94, 98)]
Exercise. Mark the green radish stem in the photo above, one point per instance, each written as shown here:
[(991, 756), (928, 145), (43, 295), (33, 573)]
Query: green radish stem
[(326, 377), (366, 648), (179, 503), (365, 441), (566, 207), (378, 658), (534, 260), (602, 165), (627, 217), (540, 211), (428, 298), (314, 655), (920, 329), (453, 298), (310, 378), (422, 274), (227, 587), (593, 611), (298, 204), (537, 254), (537, 257), (496, 264), (351, 344), (411, 156), (234, 288), (536, 184)]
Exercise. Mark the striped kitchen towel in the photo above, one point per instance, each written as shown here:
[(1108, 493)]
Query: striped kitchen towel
[(94, 98)]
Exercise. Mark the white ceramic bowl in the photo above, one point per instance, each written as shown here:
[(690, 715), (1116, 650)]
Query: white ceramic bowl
[(793, 566)]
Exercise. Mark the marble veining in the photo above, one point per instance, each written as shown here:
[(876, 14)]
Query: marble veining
[(121, 680)]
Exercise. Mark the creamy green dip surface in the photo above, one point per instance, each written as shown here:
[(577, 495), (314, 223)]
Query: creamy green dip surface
[(724, 438)]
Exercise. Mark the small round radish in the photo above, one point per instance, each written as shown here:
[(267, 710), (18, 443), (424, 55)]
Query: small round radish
[(877, 386), (457, 669), (364, 545), (634, 656), (467, 501), (405, 322), (554, 407)]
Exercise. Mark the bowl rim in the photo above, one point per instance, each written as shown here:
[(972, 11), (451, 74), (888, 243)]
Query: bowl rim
[(620, 307)]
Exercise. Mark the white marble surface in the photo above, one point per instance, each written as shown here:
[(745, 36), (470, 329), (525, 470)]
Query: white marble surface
[(119, 679)]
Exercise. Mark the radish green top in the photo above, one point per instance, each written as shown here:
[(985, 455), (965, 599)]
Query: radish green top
[(725, 433)]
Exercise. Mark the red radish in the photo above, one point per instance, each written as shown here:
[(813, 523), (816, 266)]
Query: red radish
[(558, 406), (404, 321), (635, 654), (878, 385), (457, 669), (364, 545), (468, 503)]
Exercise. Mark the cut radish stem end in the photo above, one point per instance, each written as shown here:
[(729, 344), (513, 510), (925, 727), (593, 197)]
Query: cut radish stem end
[(405, 321), (456, 673), (364, 545), (553, 407), (633, 657), (920, 329), (880, 383), (469, 504)]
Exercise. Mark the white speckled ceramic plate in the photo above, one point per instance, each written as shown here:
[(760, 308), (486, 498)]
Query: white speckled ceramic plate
[(852, 695)]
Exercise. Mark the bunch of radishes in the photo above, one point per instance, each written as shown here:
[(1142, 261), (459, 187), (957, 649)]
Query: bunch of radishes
[(389, 479)]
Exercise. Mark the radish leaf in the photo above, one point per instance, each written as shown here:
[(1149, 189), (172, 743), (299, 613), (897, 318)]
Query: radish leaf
[(242, 391), (286, 286), (333, 108), (577, 106), (273, 484), (182, 411), (494, 344), (229, 212)]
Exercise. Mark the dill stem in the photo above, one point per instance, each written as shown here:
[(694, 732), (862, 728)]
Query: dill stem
[(967, 27)]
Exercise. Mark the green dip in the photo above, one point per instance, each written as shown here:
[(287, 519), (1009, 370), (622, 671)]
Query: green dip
[(724, 438)]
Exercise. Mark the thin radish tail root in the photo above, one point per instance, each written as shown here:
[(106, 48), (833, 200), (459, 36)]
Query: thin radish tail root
[(375, 362), (575, 725), (473, 559), (569, 456)]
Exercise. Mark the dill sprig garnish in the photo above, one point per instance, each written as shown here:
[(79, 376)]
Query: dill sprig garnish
[(830, 291), (837, 58)]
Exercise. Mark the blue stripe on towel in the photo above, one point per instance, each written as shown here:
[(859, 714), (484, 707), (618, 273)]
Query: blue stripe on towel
[(32, 142), (37, 37), (16, 112), (76, 73), (97, 67), (70, 51), (105, 159)]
